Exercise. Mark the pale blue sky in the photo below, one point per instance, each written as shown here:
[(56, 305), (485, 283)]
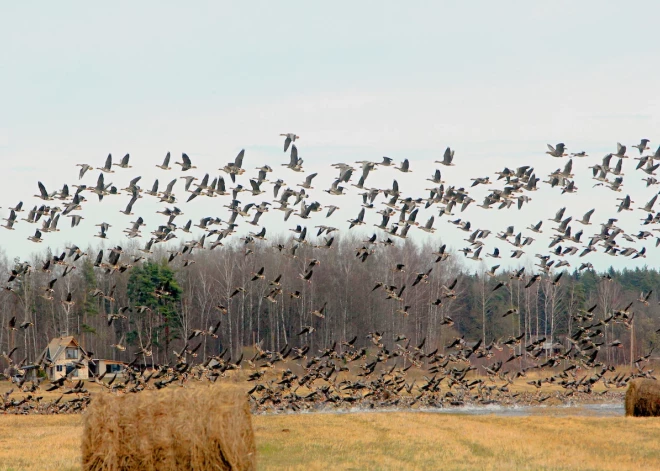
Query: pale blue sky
[(357, 80)]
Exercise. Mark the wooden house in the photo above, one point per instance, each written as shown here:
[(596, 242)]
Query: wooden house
[(64, 355)]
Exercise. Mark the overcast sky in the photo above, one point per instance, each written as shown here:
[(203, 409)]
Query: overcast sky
[(356, 80)]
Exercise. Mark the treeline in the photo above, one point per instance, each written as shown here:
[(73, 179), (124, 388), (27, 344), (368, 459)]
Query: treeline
[(165, 301)]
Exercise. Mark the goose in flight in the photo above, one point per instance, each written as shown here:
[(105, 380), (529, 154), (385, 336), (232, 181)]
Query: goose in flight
[(308, 181), (587, 216), (307, 276), (495, 254), (335, 189), (36, 237), (447, 159), (625, 204), (236, 167), (307, 330), (359, 220), (295, 163), (650, 168), (320, 312), (450, 291), (557, 151), (422, 277), (643, 145), (186, 164), (107, 168), (649, 206), (11, 220), (259, 275), (166, 163), (436, 177), (124, 162), (405, 166), (83, 170), (43, 194), (620, 151), (492, 270), (289, 138), (428, 227), (75, 219), (129, 207)]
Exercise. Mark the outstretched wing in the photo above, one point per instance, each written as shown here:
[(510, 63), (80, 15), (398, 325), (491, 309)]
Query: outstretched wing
[(42, 190), (238, 162)]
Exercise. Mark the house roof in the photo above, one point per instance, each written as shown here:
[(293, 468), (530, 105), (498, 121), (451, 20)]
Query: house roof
[(58, 345), (117, 362)]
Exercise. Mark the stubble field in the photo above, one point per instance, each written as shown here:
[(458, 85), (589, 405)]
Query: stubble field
[(385, 440)]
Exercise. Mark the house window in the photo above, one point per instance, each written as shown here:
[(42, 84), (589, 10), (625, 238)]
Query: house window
[(60, 368), (71, 353), (112, 368)]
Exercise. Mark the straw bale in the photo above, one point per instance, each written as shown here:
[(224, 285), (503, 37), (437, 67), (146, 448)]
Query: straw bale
[(643, 398), (192, 429)]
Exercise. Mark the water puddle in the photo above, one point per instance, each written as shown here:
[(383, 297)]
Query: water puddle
[(608, 409)]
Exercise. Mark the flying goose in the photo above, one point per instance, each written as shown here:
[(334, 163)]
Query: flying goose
[(448, 157), (124, 162), (643, 145), (405, 166), (290, 137), (83, 170), (557, 151), (186, 164), (107, 168)]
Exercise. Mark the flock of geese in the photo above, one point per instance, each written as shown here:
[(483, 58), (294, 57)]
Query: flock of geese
[(361, 371), (344, 376)]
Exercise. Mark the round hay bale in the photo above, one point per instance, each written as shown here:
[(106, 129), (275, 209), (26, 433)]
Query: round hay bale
[(643, 398), (193, 429)]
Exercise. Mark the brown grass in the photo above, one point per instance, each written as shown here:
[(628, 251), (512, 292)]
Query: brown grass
[(385, 441), (435, 441), (194, 429), (643, 398), (40, 443)]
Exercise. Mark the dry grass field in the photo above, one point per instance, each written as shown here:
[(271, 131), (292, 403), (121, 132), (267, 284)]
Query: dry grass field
[(382, 440), (385, 441)]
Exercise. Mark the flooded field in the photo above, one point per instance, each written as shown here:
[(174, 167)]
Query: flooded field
[(613, 409)]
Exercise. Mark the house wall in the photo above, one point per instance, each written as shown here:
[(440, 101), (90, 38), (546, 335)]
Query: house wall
[(62, 362), (103, 364), (54, 374)]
